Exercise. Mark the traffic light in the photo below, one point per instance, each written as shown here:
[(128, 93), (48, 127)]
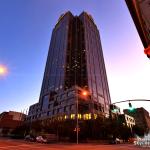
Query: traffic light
[(131, 109), (114, 108), (130, 105)]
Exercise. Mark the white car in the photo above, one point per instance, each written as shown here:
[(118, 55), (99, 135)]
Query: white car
[(40, 139)]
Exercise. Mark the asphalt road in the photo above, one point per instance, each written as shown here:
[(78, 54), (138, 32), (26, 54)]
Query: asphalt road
[(6, 144)]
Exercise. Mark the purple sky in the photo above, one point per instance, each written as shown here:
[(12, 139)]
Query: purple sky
[(25, 32)]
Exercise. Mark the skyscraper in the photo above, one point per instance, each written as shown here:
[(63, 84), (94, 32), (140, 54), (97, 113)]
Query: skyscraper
[(75, 71)]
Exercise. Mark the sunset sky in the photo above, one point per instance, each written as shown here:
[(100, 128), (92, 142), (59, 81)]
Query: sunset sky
[(25, 33)]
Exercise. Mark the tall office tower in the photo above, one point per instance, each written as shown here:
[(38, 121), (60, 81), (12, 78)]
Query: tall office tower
[(75, 72), (140, 12)]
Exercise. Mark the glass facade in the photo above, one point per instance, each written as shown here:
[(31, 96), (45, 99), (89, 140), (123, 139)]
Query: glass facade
[(75, 59), (76, 71), (97, 79), (55, 67)]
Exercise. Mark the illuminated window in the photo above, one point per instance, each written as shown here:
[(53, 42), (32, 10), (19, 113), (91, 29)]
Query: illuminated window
[(65, 117), (87, 116), (95, 116), (72, 116), (79, 116)]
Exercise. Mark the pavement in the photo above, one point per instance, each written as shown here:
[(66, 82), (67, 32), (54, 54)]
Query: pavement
[(9, 144)]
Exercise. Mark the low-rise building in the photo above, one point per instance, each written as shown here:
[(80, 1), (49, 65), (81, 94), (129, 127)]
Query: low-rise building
[(9, 121), (141, 116)]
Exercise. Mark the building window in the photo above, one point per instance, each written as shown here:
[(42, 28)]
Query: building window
[(71, 93), (87, 116), (65, 110), (55, 111), (63, 96), (56, 103), (65, 117), (63, 103), (72, 107), (61, 110), (95, 107), (95, 116), (79, 116), (45, 102), (72, 116)]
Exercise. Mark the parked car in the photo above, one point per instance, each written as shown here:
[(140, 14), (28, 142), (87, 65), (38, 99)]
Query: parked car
[(41, 139), (46, 138), (119, 141), (115, 141), (132, 140), (51, 138), (29, 138)]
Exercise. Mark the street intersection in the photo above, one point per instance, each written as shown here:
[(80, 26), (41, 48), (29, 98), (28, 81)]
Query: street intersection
[(9, 144)]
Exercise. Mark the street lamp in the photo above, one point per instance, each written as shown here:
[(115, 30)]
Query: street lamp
[(77, 114), (84, 93)]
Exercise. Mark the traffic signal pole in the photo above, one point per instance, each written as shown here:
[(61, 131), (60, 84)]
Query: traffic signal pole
[(130, 101)]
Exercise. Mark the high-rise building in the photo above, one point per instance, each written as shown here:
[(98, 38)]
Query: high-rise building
[(74, 72), (140, 12)]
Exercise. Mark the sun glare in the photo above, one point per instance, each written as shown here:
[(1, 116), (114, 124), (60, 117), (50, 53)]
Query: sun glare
[(3, 70)]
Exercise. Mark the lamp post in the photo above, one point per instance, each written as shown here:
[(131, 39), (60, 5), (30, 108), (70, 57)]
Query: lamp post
[(77, 125), (84, 93)]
